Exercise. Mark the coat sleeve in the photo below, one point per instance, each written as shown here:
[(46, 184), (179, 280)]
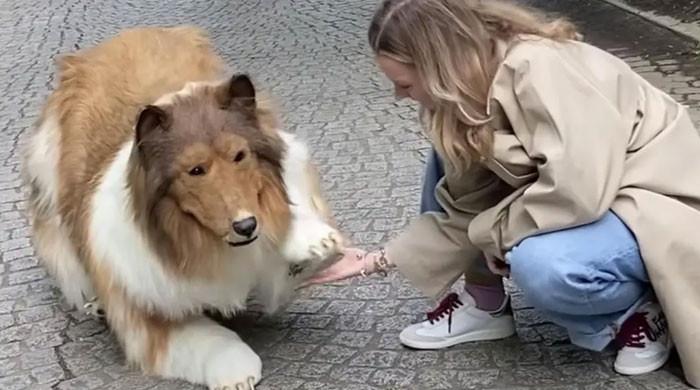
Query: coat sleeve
[(570, 126), (435, 250)]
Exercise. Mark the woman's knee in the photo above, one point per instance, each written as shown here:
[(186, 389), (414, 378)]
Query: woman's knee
[(544, 274), (595, 268)]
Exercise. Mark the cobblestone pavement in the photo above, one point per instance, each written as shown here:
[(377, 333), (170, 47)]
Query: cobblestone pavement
[(683, 10), (313, 56)]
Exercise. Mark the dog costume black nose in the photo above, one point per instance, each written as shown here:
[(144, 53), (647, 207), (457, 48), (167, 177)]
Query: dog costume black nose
[(245, 227)]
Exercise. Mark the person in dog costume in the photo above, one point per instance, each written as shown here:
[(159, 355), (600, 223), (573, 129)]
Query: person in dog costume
[(554, 164)]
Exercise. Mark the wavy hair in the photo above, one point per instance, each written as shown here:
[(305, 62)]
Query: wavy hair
[(451, 44)]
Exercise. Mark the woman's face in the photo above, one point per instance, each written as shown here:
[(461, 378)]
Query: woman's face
[(406, 80)]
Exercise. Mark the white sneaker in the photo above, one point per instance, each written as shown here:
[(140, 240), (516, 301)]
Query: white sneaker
[(457, 320), (644, 340)]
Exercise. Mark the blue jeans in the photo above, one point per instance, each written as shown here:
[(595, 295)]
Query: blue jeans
[(434, 171), (587, 279)]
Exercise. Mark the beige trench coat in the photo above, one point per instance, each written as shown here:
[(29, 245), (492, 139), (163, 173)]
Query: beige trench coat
[(577, 133)]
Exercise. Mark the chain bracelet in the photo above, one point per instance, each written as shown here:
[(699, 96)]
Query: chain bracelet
[(381, 264)]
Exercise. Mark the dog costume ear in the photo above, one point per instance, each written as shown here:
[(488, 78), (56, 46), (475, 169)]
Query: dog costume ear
[(151, 118), (240, 92)]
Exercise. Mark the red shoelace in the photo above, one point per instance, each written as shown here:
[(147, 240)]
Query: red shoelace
[(446, 307), (635, 328)]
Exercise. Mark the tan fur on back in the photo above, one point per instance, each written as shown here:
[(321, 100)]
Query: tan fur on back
[(101, 91)]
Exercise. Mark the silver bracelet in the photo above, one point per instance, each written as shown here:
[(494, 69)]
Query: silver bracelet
[(381, 264)]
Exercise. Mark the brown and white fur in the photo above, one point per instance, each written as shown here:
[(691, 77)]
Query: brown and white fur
[(148, 169)]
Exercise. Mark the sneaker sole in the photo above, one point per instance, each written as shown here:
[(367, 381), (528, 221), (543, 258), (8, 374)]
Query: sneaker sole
[(631, 371), (482, 335)]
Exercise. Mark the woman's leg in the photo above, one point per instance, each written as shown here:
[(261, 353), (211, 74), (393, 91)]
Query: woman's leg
[(477, 314), (592, 281), (434, 171), (487, 298)]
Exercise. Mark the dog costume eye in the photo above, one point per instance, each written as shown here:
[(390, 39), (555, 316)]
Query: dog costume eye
[(197, 171), (239, 156)]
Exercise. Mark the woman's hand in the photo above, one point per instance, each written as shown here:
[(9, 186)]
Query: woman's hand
[(497, 266), (353, 262)]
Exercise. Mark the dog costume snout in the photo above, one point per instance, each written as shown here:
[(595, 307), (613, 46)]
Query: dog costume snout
[(245, 227)]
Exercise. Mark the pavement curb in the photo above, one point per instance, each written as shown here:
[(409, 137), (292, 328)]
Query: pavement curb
[(690, 30)]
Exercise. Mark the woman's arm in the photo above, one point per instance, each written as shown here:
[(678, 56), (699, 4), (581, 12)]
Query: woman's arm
[(434, 250)]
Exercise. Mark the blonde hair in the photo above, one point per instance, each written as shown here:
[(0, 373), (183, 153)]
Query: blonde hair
[(451, 45)]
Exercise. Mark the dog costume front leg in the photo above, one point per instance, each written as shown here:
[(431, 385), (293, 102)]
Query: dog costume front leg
[(202, 351), (311, 236), (195, 349)]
